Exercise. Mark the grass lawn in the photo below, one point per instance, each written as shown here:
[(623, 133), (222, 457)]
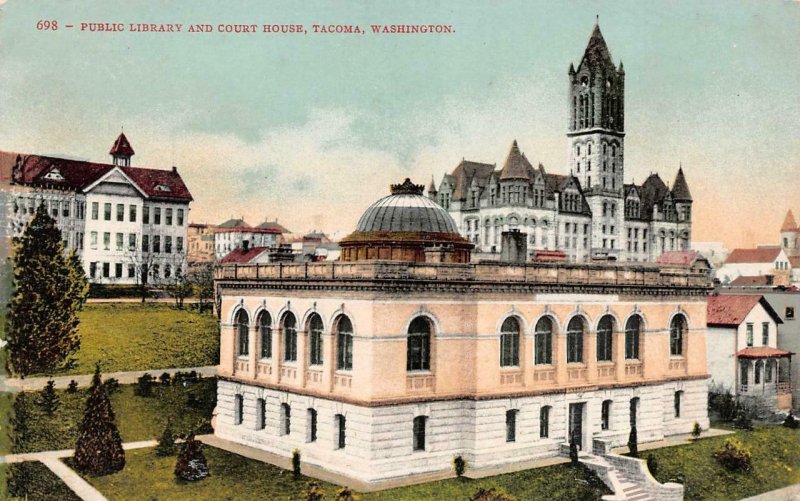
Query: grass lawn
[(138, 418), (34, 481), (147, 476), (776, 463), (135, 336)]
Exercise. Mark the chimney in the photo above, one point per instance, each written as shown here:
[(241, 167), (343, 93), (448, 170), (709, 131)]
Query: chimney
[(514, 246)]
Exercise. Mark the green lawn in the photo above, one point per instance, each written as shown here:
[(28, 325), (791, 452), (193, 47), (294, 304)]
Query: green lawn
[(776, 464), (138, 418), (147, 477), (35, 482), (135, 336)]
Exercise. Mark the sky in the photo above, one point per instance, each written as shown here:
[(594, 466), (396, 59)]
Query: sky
[(312, 128)]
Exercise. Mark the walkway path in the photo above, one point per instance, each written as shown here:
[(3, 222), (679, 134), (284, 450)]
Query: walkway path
[(52, 459), (37, 383), (791, 493)]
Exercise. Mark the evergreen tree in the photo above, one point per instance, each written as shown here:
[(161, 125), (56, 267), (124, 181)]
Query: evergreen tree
[(49, 400), (191, 464), (166, 444), (50, 289), (99, 449), (20, 429), (73, 387)]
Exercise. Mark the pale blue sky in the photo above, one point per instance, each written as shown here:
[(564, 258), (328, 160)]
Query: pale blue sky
[(311, 129)]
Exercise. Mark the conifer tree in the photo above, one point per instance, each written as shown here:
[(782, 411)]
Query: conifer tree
[(166, 444), (20, 429), (99, 448), (191, 464), (49, 400), (49, 290)]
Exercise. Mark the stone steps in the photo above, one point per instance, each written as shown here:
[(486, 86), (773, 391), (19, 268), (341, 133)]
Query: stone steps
[(625, 487)]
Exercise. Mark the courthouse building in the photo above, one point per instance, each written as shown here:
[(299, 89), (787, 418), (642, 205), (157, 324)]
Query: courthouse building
[(121, 220), (404, 354), (589, 211)]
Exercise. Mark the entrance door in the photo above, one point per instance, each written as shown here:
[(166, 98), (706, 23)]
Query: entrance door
[(576, 424)]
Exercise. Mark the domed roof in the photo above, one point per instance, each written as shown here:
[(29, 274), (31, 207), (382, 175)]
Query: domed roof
[(406, 210)]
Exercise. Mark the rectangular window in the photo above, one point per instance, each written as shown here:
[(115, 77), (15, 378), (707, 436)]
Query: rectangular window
[(286, 419), (65, 209), (120, 239), (107, 212), (54, 208), (131, 271), (157, 215), (131, 242), (180, 217), (106, 270), (95, 209), (238, 409), (341, 431), (179, 244), (132, 213), (93, 269), (765, 333), (312, 425), (168, 244), (93, 240), (678, 395), (168, 217), (544, 422), (605, 415), (120, 212), (145, 243), (118, 270), (419, 432), (107, 241), (156, 244), (261, 414), (146, 214), (511, 425), (749, 334), (789, 313)]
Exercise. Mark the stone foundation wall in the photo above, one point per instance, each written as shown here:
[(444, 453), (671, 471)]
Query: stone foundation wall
[(379, 440)]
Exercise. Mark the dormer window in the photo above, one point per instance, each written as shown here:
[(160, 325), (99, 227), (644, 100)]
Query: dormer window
[(54, 175), (163, 187)]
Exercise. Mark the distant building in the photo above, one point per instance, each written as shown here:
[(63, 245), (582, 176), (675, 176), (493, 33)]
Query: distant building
[(790, 241), (201, 243), (685, 259), (123, 221), (236, 233), (715, 252), (760, 261), (247, 255), (590, 213)]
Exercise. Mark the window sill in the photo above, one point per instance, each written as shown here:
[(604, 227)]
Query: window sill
[(419, 373)]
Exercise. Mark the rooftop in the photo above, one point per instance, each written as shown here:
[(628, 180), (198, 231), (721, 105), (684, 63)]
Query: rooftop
[(730, 311)]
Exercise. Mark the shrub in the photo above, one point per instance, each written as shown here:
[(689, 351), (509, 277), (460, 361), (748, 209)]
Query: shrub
[(144, 386), (734, 456), (111, 385), (459, 466), (791, 421), (48, 399), (314, 491), (492, 494), (696, 430), (345, 494), (743, 420), (633, 443), (166, 443), (72, 387), (652, 464), (191, 464), (296, 463), (165, 379), (722, 402)]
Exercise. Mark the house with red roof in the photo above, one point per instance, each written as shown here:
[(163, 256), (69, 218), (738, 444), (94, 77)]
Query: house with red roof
[(763, 260), (743, 352), (128, 224), (237, 234)]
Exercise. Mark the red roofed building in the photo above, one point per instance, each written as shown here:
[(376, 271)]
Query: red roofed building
[(236, 233), (743, 355), (766, 260), (129, 224), (691, 259), (247, 255)]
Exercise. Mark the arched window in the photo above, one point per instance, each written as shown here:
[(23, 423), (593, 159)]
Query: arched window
[(242, 328), (605, 329), (315, 340), (543, 341), (265, 333), (289, 326), (575, 331), (344, 344), (418, 356), (677, 332), (633, 328), (509, 343)]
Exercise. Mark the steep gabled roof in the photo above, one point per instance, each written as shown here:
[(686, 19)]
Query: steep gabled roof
[(789, 224), (678, 258), (759, 255), (464, 172), (730, 311), (653, 191), (680, 189), (516, 165), (159, 184), (122, 147)]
